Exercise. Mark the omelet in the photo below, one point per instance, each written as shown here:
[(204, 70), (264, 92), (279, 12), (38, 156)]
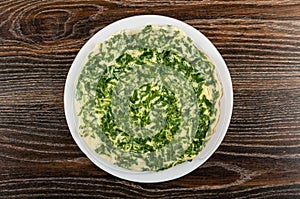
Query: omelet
[(148, 99)]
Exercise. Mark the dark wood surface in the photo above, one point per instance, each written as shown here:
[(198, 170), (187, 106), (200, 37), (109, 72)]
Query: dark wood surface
[(260, 155)]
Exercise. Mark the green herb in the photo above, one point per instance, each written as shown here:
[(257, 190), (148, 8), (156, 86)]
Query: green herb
[(142, 98)]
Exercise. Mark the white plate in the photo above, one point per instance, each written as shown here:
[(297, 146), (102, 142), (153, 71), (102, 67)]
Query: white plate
[(203, 44)]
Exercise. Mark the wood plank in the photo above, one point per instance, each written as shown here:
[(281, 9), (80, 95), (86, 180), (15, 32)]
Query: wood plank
[(260, 155)]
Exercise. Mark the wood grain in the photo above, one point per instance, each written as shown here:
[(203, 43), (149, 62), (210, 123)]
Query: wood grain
[(260, 155)]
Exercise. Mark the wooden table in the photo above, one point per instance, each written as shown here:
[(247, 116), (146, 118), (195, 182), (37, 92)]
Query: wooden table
[(259, 157)]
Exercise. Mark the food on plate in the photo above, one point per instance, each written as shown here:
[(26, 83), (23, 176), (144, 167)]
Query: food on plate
[(148, 99)]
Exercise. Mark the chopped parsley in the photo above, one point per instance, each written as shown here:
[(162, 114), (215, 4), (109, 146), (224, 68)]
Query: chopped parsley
[(149, 99)]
